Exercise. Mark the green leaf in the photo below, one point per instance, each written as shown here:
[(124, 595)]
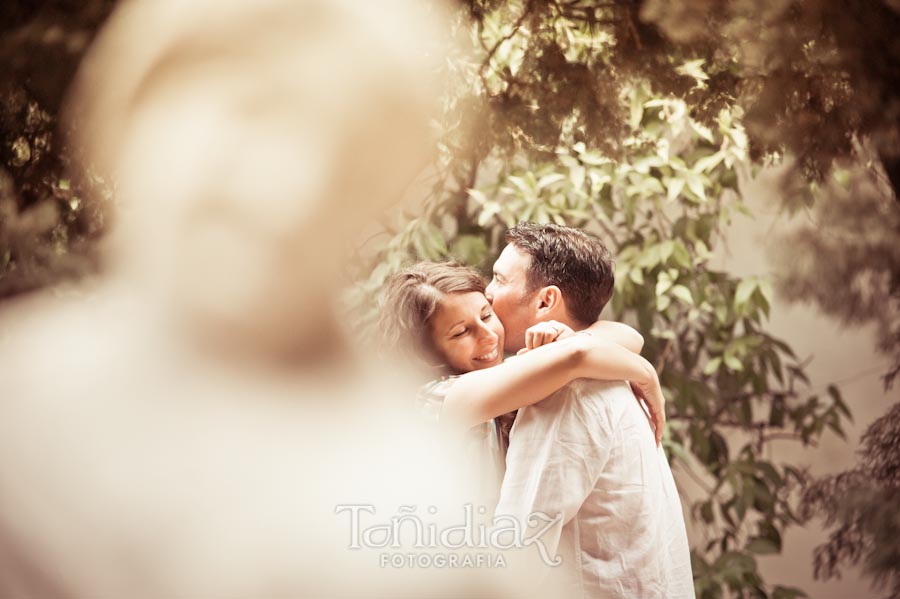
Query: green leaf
[(683, 293), (733, 363), (594, 159), (637, 112), (835, 394), (765, 287), (695, 184), (707, 163), (490, 210), (681, 255), (763, 303), (776, 366), (835, 426), (663, 302), (780, 592), (768, 531), (746, 411), (842, 177), (744, 290), (675, 449), (712, 366), (650, 257), (650, 187), (663, 284), (548, 180), (636, 275), (725, 510), (665, 250), (702, 131), (674, 187), (776, 413), (741, 504), (478, 196), (576, 176), (693, 68), (762, 546)]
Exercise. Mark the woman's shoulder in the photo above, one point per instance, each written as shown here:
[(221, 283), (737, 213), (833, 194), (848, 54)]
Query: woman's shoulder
[(438, 387), (430, 398)]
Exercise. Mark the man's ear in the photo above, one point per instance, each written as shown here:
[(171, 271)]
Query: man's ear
[(550, 300)]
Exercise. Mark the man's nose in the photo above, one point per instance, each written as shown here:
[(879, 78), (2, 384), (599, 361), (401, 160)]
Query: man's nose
[(489, 292)]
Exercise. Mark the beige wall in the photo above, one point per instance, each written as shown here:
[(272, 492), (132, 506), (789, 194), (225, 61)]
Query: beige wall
[(842, 355)]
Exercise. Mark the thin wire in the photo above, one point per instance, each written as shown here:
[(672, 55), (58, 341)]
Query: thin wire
[(854, 377)]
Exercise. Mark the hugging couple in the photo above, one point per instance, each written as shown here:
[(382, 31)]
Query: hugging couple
[(581, 448)]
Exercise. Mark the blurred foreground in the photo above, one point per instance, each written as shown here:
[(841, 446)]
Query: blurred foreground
[(188, 423)]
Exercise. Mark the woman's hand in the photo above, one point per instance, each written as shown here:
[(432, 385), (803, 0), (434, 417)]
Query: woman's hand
[(545, 332), (651, 394)]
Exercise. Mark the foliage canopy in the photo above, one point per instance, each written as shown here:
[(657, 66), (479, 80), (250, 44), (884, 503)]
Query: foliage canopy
[(587, 116)]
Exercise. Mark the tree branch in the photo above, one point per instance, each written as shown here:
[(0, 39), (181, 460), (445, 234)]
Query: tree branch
[(486, 64)]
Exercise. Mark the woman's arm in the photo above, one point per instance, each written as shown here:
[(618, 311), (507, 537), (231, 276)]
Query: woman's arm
[(618, 332), (484, 394)]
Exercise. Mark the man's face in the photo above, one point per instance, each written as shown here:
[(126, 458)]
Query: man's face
[(508, 294)]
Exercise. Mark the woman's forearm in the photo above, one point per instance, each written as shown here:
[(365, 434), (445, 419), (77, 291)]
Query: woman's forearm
[(619, 333), (606, 360), (520, 381), (484, 394)]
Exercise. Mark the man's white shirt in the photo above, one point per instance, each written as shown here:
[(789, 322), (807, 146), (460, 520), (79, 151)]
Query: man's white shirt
[(587, 453)]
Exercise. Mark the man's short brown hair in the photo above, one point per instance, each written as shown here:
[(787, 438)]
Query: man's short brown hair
[(573, 260)]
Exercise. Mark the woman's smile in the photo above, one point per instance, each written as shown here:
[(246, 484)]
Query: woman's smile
[(466, 332), (490, 356)]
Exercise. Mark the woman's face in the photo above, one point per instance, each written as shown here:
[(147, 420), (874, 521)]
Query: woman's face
[(466, 332)]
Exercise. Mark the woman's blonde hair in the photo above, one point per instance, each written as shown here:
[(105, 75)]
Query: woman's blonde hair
[(410, 300)]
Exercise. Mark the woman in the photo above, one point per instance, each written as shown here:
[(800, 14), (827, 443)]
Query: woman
[(438, 313)]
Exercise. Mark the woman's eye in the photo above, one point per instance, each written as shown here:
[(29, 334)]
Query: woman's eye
[(459, 334), (487, 316)]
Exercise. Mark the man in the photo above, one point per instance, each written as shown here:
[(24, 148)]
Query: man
[(586, 453)]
